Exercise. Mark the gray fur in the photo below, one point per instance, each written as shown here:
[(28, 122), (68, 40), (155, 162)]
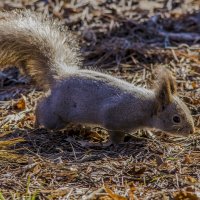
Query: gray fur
[(90, 97)]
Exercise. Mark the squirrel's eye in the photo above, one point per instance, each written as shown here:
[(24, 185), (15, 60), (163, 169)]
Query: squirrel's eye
[(176, 119)]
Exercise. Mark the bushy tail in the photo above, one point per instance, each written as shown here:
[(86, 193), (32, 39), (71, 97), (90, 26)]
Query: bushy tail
[(40, 47)]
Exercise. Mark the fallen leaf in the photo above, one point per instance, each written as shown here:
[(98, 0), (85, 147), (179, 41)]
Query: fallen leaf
[(131, 193), (191, 179), (36, 169), (195, 85), (184, 195), (113, 195), (20, 105)]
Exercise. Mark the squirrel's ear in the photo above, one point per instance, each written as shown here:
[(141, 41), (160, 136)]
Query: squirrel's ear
[(172, 82), (166, 87)]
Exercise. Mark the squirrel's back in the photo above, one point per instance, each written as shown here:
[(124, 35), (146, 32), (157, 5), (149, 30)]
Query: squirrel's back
[(41, 47)]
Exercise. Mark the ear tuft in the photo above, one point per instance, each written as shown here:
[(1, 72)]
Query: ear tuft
[(166, 87), (173, 85)]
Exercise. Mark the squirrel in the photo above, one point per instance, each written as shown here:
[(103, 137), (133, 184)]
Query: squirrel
[(48, 52)]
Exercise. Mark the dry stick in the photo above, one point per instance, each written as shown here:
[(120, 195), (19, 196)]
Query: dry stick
[(192, 57), (180, 36), (95, 194), (74, 153)]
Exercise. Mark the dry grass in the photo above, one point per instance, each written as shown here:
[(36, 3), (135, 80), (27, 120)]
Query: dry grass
[(128, 42)]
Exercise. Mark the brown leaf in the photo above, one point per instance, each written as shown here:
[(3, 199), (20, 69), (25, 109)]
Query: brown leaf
[(191, 179), (20, 105), (131, 193), (195, 85), (113, 195), (36, 169), (184, 195)]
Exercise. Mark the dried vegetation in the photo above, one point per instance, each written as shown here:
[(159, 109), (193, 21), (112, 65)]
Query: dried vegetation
[(128, 39)]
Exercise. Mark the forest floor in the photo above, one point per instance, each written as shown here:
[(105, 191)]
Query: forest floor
[(128, 39)]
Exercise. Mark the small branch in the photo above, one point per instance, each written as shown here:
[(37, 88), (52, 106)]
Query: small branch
[(180, 36)]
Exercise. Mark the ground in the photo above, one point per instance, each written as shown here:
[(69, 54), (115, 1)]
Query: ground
[(128, 39)]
